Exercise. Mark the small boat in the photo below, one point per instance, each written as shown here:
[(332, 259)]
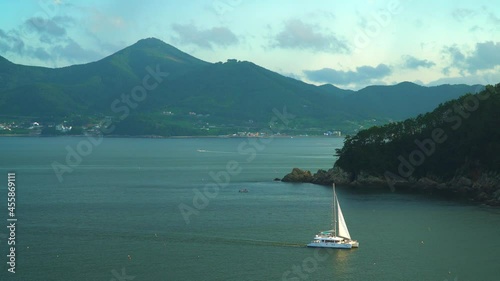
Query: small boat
[(338, 237), (244, 190)]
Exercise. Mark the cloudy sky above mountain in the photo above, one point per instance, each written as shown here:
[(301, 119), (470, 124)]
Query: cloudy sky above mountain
[(350, 45)]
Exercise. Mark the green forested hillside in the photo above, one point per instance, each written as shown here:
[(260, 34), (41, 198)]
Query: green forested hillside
[(198, 97), (459, 138)]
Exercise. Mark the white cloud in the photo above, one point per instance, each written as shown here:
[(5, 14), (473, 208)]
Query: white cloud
[(485, 56), (299, 35), (362, 75), (204, 38), (412, 62)]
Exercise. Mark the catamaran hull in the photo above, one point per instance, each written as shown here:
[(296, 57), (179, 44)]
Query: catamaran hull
[(336, 238), (330, 245)]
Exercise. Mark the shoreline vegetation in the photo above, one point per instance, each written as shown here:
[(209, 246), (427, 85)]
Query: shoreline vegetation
[(452, 150)]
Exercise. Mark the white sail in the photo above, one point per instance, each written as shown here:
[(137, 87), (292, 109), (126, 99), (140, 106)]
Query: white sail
[(343, 231), (338, 237)]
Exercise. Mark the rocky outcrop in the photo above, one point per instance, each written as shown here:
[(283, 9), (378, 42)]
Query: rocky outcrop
[(485, 189), (366, 179), (298, 175), (335, 174), (321, 177)]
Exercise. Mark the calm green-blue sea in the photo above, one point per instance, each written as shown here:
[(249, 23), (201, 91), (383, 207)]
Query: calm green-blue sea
[(170, 209)]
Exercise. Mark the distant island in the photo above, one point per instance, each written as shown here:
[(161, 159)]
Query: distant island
[(452, 150), (153, 89)]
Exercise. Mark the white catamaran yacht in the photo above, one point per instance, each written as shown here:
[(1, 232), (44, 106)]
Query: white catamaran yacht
[(339, 236)]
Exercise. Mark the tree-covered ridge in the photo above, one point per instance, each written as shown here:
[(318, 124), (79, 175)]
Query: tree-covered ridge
[(459, 138), (188, 96)]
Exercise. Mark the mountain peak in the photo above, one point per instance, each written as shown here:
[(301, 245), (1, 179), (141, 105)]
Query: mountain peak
[(151, 41), (408, 84), (154, 43), (157, 48)]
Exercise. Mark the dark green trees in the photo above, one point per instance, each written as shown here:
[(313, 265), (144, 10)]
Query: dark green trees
[(461, 136)]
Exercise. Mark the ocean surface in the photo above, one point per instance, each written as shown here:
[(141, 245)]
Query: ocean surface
[(169, 209)]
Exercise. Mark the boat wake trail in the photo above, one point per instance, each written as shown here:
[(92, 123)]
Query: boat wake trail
[(231, 241), (215, 151), (254, 242), (269, 243)]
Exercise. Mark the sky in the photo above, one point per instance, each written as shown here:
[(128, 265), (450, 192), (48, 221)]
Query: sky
[(350, 44)]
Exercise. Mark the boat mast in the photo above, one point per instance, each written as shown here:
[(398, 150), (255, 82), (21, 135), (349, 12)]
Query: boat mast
[(334, 211)]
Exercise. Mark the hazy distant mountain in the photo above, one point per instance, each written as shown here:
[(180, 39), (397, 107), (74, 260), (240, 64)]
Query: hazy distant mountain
[(405, 99), (197, 96)]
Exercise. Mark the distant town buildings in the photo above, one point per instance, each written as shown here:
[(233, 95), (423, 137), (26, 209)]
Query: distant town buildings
[(96, 127), (63, 128), (5, 127), (333, 133)]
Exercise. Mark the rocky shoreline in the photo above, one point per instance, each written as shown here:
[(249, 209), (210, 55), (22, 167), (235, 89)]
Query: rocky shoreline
[(484, 188)]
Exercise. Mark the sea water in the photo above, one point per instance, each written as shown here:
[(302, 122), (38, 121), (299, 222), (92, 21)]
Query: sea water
[(170, 209)]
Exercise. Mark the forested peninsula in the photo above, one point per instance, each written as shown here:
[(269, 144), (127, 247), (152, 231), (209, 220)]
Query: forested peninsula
[(455, 149)]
